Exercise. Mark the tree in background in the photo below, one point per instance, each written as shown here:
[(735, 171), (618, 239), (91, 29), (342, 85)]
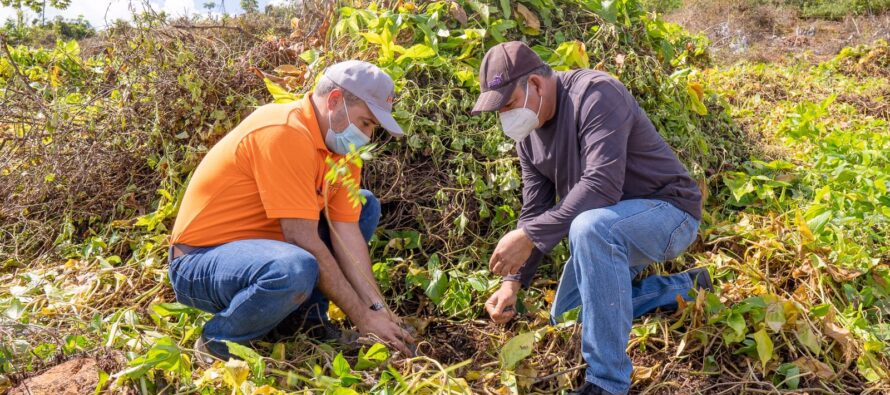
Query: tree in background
[(250, 6), (209, 5), (38, 6)]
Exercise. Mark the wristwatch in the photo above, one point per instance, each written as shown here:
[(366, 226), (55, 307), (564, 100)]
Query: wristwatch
[(377, 306)]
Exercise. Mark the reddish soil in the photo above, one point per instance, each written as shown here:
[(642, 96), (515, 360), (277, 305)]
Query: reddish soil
[(75, 377)]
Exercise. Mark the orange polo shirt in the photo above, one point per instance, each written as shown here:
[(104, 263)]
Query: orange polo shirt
[(270, 166)]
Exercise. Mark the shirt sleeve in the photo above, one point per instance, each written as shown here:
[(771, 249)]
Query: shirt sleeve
[(538, 195), (340, 207), (281, 161), (606, 118)]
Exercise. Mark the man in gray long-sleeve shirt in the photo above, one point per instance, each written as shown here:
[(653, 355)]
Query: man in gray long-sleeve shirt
[(624, 201)]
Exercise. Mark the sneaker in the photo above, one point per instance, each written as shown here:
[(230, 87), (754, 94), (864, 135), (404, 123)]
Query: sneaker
[(321, 331), (590, 389), (208, 351), (701, 279)]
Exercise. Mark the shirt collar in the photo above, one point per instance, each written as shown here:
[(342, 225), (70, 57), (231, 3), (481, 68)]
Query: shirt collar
[(305, 112)]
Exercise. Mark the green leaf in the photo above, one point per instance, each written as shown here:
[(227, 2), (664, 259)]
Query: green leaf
[(808, 337), (764, 347), (376, 355), (248, 355), (340, 366), (570, 55), (278, 351), (790, 374), (818, 222), (341, 369), (481, 9), (505, 8), (820, 310), (517, 349), (737, 323), (437, 286), (738, 184), (163, 355), (169, 309), (103, 378), (869, 367), (417, 51)]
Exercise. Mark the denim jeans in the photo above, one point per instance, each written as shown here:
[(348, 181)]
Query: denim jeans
[(609, 247), (251, 286)]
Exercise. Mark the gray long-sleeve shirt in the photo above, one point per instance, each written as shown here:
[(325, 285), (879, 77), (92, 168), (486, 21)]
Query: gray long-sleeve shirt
[(598, 149)]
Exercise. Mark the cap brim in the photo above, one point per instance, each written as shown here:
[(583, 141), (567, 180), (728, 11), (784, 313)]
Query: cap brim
[(386, 120), (493, 100)]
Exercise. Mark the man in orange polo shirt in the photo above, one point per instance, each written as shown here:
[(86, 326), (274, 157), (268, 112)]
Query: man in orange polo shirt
[(251, 243)]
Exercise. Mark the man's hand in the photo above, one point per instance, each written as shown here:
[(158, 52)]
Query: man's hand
[(501, 306), (511, 252), (386, 326)]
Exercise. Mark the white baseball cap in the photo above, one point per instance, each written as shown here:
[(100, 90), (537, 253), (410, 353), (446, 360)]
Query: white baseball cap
[(371, 84)]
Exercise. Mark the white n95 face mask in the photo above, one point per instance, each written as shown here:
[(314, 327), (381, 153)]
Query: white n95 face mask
[(518, 123)]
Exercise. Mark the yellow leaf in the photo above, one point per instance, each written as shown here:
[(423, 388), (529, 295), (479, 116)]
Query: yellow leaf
[(266, 390), (549, 295), (697, 88), (335, 314), (806, 234), (473, 375), (236, 372)]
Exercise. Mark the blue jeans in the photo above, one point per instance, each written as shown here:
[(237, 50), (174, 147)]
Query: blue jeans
[(251, 286), (609, 247)]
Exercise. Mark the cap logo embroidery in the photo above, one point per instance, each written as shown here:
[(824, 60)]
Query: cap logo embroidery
[(496, 81)]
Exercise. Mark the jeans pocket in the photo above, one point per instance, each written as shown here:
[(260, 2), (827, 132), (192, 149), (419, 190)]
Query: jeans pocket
[(681, 237)]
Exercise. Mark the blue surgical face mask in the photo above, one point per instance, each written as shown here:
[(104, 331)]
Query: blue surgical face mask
[(339, 142)]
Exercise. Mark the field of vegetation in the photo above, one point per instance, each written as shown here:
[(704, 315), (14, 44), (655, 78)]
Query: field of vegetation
[(99, 135)]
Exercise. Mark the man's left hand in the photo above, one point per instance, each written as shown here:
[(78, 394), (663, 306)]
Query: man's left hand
[(511, 252)]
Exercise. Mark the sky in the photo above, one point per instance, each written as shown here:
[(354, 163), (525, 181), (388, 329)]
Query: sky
[(101, 13)]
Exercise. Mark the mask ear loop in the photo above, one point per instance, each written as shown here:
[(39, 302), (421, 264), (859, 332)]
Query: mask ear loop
[(540, 102), (526, 94), (331, 125), (348, 121)]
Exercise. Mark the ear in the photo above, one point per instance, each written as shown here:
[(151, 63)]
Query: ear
[(536, 82), (334, 98)]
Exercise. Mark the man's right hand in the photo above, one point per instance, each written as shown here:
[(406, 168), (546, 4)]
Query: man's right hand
[(386, 326), (501, 306)]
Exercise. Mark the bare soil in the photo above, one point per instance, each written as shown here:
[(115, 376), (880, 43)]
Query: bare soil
[(741, 30), (75, 377)]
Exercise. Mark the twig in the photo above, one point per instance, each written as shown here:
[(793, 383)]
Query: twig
[(550, 376)]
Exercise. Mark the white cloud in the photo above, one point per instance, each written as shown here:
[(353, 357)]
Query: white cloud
[(177, 7)]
